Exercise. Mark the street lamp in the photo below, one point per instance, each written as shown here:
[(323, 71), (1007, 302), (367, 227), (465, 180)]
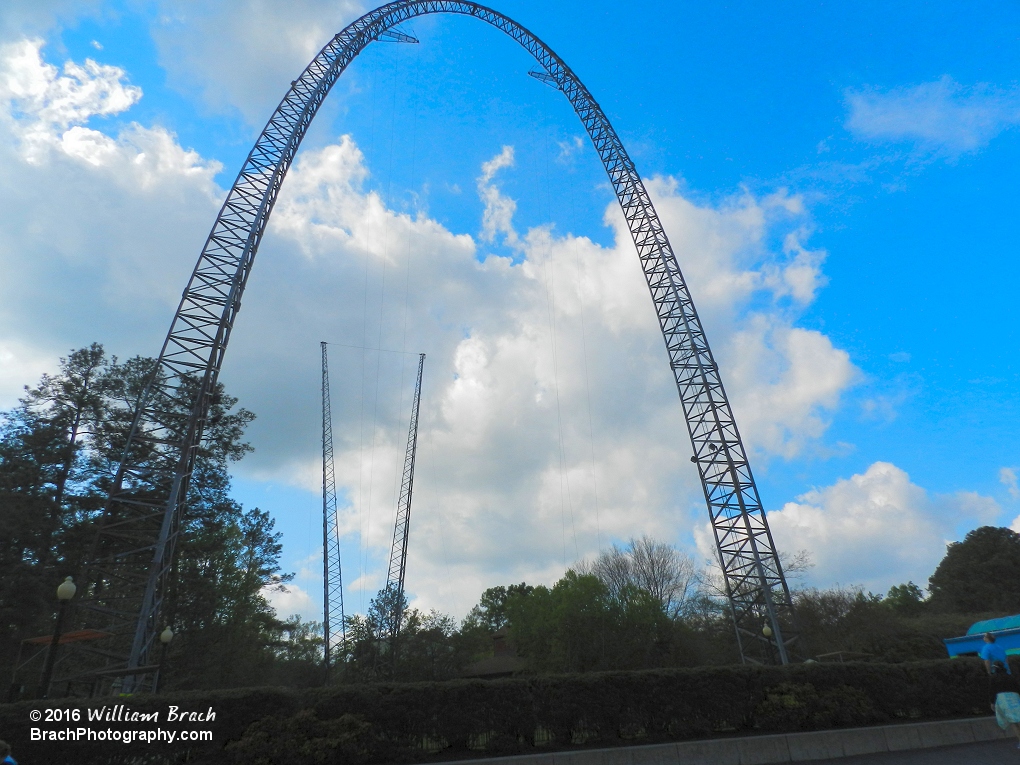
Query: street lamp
[(766, 632), (65, 592), (164, 637)]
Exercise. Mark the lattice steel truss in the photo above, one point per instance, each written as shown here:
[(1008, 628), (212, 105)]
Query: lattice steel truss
[(134, 550), (334, 625), (398, 550)]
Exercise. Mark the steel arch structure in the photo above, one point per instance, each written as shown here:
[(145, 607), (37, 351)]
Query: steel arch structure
[(133, 554)]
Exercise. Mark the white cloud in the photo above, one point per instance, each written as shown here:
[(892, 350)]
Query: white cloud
[(110, 225), (498, 215), (47, 112), (19, 18), (782, 380), (942, 116), (884, 407), (801, 276), (41, 104), (874, 529), (968, 504), (569, 149), (243, 55), (504, 485), (292, 599), (1008, 478), (20, 364), (97, 231)]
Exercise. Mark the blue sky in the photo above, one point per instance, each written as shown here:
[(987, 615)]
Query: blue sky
[(834, 179)]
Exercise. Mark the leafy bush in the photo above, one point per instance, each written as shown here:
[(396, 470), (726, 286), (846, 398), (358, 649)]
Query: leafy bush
[(421, 722), (304, 739)]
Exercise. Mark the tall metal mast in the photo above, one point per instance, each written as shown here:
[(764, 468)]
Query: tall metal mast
[(334, 626), (398, 552)]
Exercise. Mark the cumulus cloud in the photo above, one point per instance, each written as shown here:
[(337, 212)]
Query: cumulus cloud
[(291, 599), (783, 380), (42, 104), (874, 529), (19, 363), (98, 230), (941, 116), (545, 375), (497, 218), (46, 112), (243, 55), (20, 18), (1008, 478)]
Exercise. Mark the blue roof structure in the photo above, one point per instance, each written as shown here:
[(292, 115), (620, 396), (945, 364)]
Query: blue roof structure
[(995, 625), (1006, 630)]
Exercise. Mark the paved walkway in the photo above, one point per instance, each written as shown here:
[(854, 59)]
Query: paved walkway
[(984, 753), (968, 741)]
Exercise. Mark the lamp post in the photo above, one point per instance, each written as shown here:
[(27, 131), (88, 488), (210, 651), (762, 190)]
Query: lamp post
[(65, 592), (164, 637), (766, 632)]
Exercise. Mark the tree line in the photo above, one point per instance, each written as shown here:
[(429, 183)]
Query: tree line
[(644, 604), (60, 447), (648, 605)]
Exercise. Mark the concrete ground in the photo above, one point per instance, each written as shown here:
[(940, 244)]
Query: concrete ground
[(967, 741), (1002, 752)]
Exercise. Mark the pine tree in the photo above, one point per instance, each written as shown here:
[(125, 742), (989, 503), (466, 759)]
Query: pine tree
[(44, 489), (59, 453)]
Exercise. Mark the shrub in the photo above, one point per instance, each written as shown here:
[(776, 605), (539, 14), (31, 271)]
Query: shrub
[(422, 722)]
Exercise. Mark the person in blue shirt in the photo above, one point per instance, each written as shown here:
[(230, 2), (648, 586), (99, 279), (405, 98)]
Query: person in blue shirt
[(993, 655), (1002, 688), (5, 752)]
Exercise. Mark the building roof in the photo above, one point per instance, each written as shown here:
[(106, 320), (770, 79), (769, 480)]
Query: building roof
[(994, 625), (496, 666)]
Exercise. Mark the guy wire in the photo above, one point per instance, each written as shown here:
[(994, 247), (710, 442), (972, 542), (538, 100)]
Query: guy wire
[(551, 303), (584, 355)]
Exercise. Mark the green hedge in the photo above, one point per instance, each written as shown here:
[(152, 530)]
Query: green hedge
[(422, 722)]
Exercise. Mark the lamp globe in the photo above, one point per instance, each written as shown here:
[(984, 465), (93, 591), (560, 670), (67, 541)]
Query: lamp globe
[(66, 589)]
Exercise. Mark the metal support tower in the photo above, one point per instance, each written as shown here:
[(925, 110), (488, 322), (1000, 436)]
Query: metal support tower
[(130, 562), (398, 551), (334, 624)]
